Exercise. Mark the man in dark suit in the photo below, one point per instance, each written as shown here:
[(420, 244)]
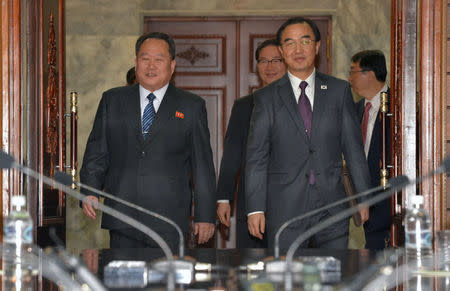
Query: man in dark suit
[(270, 67), (301, 126), (367, 77), (146, 142)]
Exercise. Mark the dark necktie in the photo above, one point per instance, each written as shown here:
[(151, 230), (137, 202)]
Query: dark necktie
[(305, 108), (306, 111), (365, 122), (149, 114)]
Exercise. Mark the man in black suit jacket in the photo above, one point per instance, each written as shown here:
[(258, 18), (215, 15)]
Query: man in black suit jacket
[(152, 167), (298, 134), (270, 68), (367, 77)]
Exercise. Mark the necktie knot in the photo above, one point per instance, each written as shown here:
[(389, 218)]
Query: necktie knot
[(368, 106), (303, 85), (151, 97)]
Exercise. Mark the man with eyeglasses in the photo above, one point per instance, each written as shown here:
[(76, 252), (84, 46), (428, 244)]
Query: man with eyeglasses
[(367, 78), (270, 67), (301, 126)]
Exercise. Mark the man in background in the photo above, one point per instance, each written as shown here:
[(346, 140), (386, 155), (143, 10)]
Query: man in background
[(270, 67), (131, 77), (367, 78)]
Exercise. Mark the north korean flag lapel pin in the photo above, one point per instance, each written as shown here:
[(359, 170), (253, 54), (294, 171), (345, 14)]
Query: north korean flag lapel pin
[(178, 114), (323, 87)]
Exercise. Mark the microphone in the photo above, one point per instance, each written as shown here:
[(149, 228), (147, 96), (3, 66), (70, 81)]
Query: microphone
[(66, 179), (184, 267), (445, 167), (278, 265), (38, 263), (74, 264), (394, 182), (7, 161)]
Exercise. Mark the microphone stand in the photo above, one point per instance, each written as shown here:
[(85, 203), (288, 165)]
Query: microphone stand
[(50, 267), (184, 268), (74, 264), (277, 265), (347, 213), (7, 161), (66, 179)]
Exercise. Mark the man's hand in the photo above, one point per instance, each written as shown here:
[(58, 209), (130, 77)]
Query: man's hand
[(364, 212), (90, 209), (205, 231), (257, 224), (223, 212)]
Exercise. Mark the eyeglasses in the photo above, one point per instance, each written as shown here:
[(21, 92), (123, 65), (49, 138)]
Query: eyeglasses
[(352, 72), (265, 62), (291, 44)]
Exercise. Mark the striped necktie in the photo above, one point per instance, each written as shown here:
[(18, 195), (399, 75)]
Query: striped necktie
[(149, 115)]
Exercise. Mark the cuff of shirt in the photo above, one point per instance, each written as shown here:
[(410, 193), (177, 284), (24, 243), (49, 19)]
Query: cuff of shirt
[(255, 212), (223, 201)]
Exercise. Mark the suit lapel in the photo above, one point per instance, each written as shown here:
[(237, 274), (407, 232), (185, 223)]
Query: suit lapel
[(320, 90), (134, 115), (287, 96), (166, 111)]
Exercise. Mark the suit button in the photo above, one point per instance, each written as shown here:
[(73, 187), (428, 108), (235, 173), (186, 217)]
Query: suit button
[(311, 151)]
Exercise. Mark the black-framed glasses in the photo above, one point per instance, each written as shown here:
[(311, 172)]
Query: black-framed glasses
[(292, 44), (265, 62)]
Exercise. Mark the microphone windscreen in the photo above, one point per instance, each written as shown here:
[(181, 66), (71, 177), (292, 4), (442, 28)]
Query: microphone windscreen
[(399, 181), (63, 178), (445, 165), (6, 160)]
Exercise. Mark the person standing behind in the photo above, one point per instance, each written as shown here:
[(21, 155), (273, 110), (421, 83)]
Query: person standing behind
[(270, 67), (131, 77), (144, 149), (300, 127), (367, 78)]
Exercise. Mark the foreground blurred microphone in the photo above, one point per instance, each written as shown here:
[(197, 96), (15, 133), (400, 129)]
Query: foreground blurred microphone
[(8, 162), (183, 268), (445, 167), (278, 265)]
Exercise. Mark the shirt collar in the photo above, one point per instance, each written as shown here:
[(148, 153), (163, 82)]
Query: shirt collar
[(376, 99), (295, 81), (159, 94)]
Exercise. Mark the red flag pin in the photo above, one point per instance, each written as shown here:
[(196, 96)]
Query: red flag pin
[(179, 115)]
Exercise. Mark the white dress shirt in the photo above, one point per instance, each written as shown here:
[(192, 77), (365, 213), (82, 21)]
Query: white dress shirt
[(295, 83), (159, 94)]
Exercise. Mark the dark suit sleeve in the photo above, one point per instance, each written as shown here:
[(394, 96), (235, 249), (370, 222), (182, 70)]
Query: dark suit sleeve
[(352, 144), (96, 155), (203, 168), (232, 153), (257, 158)]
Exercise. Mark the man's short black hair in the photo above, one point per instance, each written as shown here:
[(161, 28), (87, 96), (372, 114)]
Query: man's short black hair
[(131, 76), (295, 20), (158, 35), (372, 60), (262, 45)]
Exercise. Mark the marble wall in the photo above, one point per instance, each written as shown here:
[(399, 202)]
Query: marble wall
[(100, 37)]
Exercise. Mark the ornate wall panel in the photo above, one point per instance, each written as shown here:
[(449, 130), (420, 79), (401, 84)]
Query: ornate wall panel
[(200, 54)]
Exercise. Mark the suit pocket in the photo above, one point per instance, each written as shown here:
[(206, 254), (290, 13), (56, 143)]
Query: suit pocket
[(277, 178)]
